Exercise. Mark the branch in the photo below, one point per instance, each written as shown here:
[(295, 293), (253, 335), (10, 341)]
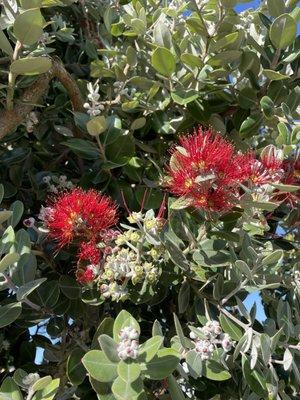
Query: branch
[(11, 119)]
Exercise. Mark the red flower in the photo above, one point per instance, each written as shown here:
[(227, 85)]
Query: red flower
[(269, 169), (89, 252), (206, 170), (80, 215), (291, 176), (86, 276)]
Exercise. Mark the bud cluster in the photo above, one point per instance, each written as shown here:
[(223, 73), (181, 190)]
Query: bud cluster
[(30, 379), (114, 291), (211, 336), (57, 184), (133, 258), (129, 343), (93, 106)]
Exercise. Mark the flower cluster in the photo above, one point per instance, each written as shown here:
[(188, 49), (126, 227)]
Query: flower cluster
[(83, 219), (207, 173), (79, 216), (93, 107), (129, 343), (56, 184), (268, 169), (210, 336)]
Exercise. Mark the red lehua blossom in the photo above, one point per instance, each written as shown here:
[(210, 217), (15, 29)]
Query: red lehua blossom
[(206, 170), (86, 276), (89, 252), (269, 169), (80, 215), (291, 176)]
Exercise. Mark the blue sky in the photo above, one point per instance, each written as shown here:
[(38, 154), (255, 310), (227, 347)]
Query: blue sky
[(251, 4)]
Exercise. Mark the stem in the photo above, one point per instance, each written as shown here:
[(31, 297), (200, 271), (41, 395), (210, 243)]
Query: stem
[(101, 147), (237, 289), (237, 321), (198, 11), (275, 59), (30, 394), (12, 79)]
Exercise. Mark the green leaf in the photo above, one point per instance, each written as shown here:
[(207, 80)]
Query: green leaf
[(5, 46), (184, 297), (273, 258), (163, 61), (162, 364), (256, 381), (99, 366), (5, 215), (194, 362), (191, 60), (283, 31), (138, 123), (250, 126), (183, 340), (28, 26), (9, 313), (97, 125), (17, 208), (47, 294), (157, 329), (276, 7), (83, 148), (247, 98), (215, 371), (106, 327), (69, 287), (123, 390), (229, 3), (75, 370), (129, 370), (1, 192), (243, 267), (267, 106), (174, 389), (103, 390), (265, 345), (176, 255), (121, 150), (28, 288), (41, 383), (288, 359), (49, 392), (9, 390), (180, 203), (124, 319), (274, 75), (223, 41), (27, 4), (231, 328), (149, 349), (285, 188), (8, 260), (31, 66), (109, 346), (184, 97)]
